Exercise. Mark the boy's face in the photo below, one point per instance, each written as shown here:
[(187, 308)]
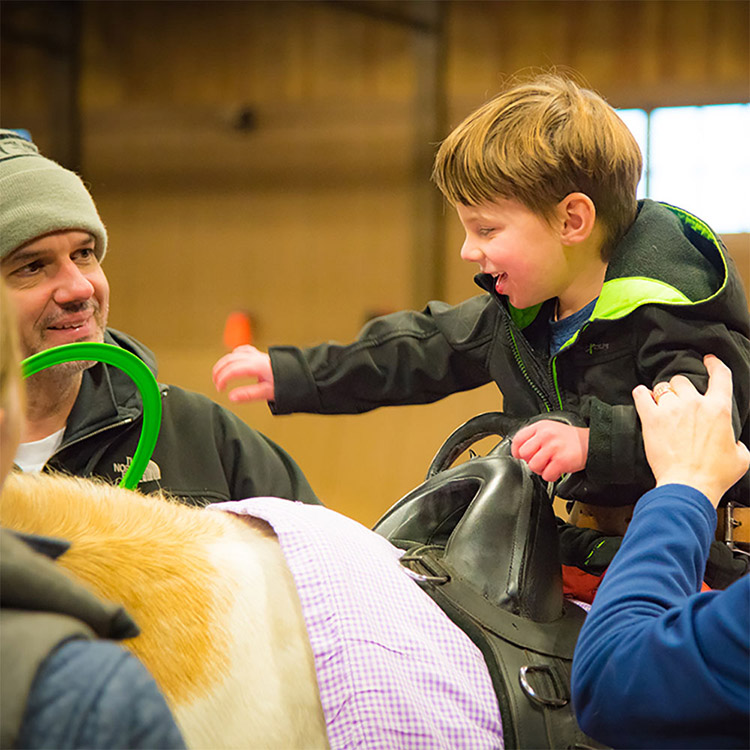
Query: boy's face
[(522, 252)]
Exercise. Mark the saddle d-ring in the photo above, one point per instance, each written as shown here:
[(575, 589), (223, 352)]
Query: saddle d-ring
[(523, 677), (141, 375)]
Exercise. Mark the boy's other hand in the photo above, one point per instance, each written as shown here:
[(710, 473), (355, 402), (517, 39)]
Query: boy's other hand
[(552, 448), (688, 437), (245, 362)]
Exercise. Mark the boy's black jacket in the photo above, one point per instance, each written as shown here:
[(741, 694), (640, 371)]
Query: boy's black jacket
[(671, 295)]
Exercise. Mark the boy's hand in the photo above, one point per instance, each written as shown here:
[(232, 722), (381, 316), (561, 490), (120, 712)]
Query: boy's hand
[(688, 437), (245, 362), (552, 448)]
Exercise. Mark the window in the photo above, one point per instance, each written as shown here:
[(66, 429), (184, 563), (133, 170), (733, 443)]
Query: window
[(697, 158), (637, 122)]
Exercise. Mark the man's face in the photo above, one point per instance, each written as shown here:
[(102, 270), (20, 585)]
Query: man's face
[(518, 248), (58, 289)]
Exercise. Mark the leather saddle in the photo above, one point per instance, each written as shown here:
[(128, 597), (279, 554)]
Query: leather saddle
[(484, 537)]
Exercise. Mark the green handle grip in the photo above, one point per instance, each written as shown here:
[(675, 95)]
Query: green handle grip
[(132, 366)]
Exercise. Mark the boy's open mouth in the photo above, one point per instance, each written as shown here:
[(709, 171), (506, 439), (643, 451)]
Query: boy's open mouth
[(500, 280)]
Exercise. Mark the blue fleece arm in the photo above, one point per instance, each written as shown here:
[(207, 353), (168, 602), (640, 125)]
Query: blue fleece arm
[(658, 665), (94, 694)]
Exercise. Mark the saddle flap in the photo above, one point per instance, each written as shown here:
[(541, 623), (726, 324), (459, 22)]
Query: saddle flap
[(496, 523), (506, 544)]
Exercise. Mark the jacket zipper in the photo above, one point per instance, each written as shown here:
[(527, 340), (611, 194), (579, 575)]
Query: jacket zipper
[(522, 367), (553, 373), (86, 437)]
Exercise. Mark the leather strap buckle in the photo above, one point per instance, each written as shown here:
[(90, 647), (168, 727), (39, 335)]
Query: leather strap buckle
[(542, 700), (734, 526), (426, 569)]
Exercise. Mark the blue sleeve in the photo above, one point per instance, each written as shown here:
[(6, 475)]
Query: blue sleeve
[(657, 664), (94, 694)]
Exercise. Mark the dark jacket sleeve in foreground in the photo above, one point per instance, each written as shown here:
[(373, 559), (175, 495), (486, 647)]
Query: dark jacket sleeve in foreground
[(656, 664)]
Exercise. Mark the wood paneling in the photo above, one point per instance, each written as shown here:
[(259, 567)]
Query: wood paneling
[(308, 265), (635, 52)]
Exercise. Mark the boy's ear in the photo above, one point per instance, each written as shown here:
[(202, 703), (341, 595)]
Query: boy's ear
[(578, 216)]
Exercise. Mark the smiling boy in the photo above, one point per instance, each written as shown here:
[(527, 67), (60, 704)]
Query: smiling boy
[(588, 293)]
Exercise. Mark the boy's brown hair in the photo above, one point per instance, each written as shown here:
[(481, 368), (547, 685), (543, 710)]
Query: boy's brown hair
[(537, 142)]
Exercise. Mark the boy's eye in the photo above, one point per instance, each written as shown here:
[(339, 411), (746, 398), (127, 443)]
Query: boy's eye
[(484, 231)]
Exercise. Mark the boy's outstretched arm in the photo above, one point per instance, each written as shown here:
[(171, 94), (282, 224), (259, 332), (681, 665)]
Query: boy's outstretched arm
[(407, 357), (245, 362)]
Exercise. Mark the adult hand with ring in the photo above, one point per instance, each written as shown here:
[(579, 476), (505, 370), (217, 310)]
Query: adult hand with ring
[(660, 389), (688, 437)]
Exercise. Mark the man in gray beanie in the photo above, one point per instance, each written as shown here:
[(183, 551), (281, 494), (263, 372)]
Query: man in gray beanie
[(85, 418)]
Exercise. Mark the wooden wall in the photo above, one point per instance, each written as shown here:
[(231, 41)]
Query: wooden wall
[(269, 156)]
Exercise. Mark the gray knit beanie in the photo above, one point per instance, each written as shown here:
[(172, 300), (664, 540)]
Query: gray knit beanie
[(38, 196)]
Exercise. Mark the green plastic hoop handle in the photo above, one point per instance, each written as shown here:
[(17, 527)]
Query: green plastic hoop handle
[(136, 368)]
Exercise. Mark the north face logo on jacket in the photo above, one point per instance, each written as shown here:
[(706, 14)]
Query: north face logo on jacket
[(151, 474)]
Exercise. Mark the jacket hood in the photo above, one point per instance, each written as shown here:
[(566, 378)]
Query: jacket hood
[(118, 338), (668, 256)]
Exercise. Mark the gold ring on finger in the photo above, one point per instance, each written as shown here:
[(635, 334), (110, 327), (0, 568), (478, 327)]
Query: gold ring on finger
[(660, 389)]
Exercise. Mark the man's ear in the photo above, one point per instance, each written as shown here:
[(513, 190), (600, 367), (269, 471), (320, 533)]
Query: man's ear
[(578, 216)]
